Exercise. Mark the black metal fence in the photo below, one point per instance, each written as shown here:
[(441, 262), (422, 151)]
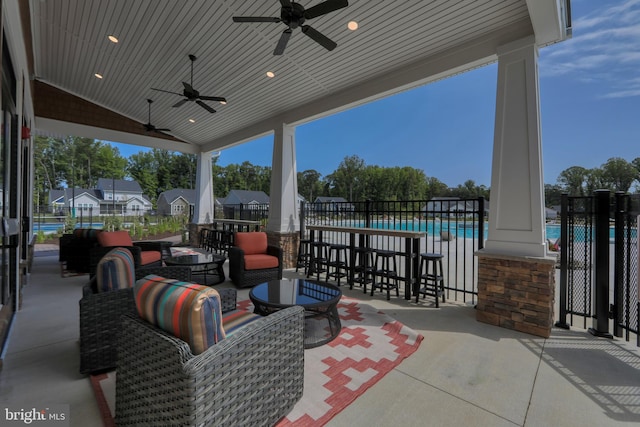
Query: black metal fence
[(454, 228), (599, 263), (626, 296), (51, 220), (246, 211)]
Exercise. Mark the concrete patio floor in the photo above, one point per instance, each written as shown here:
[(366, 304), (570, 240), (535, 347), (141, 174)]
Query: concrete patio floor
[(464, 373)]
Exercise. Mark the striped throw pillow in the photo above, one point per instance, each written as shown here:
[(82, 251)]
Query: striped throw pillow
[(115, 270), (186, 310)]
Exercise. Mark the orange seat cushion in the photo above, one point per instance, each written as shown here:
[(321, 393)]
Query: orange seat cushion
[(147, 257), (253, 242), (114, 238), (260, 261)]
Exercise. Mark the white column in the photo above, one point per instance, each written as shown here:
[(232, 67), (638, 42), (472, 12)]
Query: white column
[(516, 212), (283, 207), (203, 213)]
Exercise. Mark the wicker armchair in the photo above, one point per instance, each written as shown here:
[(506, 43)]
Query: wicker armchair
[(145, 253), (252, 261), (251, 378), (100, 316), (75, 248)]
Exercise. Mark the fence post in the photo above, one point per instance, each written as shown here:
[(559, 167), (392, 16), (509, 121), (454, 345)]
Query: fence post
[(367, 214), (480, 222), (564, 248), (619, 261), (601, 255), (302, 218)]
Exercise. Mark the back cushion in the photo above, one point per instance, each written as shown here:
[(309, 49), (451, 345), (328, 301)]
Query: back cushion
[(186, 310), (86, 233), (115, 270), (252, 242), (115, 238)]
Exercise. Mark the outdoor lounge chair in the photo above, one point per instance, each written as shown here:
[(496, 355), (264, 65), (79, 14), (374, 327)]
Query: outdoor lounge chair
[(100, 316), (252, 260), (252, 377), (146, 253)]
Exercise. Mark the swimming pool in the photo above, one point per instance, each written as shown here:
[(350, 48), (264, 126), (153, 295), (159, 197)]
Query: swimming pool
[(467, 229), (49, 228)]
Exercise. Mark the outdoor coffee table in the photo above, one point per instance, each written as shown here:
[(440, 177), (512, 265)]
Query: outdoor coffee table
[(319, 300), (206, 263)]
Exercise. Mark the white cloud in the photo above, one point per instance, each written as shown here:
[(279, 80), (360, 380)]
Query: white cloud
[(604, 50)]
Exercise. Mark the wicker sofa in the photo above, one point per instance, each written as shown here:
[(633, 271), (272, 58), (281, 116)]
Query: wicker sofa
[(100, 316), (251, 378), (252, 260)]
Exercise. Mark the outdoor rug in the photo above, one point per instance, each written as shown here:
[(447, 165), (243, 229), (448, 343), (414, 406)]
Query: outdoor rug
[(369, 346)]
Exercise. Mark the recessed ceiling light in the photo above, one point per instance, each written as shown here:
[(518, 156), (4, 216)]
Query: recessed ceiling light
[(271, 74), (191, 121), (113, 38), (352, 25), (98, 75)]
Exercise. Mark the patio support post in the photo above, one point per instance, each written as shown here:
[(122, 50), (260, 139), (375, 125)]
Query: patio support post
[(516, 278), (284, 223), (203, 210)]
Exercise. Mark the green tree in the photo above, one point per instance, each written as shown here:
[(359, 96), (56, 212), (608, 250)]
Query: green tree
[(141, 167), (573, 179), (309, 184), (618, 174), (552, 194), (594, 180), (435, 188), (347, 180)]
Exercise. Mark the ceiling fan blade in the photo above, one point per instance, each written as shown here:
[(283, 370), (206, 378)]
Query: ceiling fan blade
[(162, 130), (213, 98), (167, 91), (205, 106), (255, 19), (179, 103), (187, 87), (316, 35), (282, 43), (324, 8)]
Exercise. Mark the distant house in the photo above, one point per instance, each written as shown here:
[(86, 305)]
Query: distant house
[(246, 198), (176, 202), (551, 214), (246, 204), (110, 196)]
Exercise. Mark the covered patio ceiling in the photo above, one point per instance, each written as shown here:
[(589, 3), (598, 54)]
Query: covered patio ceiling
[(398, 45)]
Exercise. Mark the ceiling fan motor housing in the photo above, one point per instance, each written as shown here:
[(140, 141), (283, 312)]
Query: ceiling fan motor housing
[(293, 16)]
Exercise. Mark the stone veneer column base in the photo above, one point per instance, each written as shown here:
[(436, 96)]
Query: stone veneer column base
[(289, 243), (194, 233), (516, 292)]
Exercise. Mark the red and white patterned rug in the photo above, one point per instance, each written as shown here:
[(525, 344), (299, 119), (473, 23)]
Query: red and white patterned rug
[(369, 346)]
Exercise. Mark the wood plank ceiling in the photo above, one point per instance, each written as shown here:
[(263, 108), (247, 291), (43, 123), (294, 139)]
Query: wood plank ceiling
[(156, 36)]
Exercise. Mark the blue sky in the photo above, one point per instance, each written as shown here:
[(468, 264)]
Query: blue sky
[(590, 110)]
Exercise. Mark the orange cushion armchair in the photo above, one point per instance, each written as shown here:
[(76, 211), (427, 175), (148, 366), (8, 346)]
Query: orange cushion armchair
[(252, 260), (145, 254)]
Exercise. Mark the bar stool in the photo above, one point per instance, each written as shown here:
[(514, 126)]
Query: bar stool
[(318, 259), (363, 268), (304, 255), (337, 265), (431, 279), (385, 268)]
